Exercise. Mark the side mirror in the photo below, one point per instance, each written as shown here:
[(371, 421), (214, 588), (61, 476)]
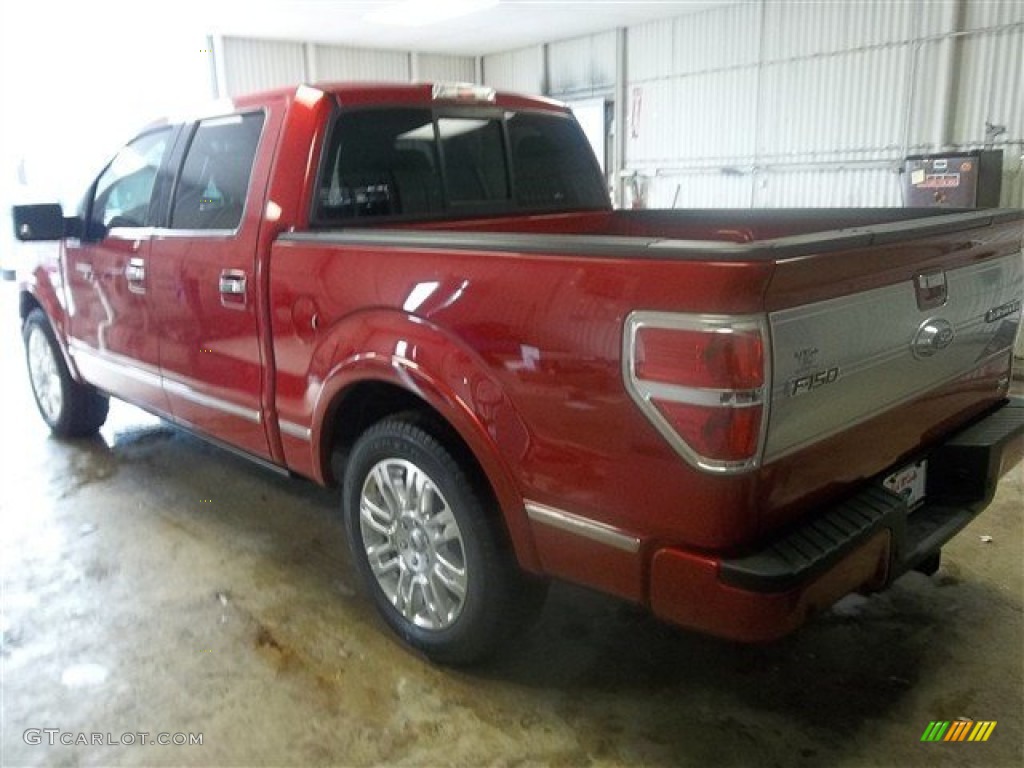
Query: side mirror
[(44, 222)]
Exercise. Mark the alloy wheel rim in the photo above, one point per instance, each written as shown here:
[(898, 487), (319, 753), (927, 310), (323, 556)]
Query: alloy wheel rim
[(44, 375), (413, 544)]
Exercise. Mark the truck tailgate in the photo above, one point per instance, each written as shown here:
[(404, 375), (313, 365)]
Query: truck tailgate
[(878, 352)]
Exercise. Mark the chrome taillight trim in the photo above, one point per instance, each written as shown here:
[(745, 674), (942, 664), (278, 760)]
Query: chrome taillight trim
[(644, 392)]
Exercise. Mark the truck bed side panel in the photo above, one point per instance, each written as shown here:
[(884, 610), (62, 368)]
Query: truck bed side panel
[(547, 331)]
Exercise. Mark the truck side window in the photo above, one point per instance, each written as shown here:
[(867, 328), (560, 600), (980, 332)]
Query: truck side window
[(214, 181), (125, 188)]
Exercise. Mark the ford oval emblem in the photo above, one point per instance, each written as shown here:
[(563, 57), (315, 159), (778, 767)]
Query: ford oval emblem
[(932, 336)]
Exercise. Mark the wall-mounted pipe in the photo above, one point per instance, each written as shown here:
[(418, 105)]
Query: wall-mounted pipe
[(621, 107), (947, 81)]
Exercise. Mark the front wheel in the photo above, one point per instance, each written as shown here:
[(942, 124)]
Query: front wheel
[(426, 549), (69, 408)]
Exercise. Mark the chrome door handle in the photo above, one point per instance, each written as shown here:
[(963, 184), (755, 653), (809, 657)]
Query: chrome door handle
[(135, 270), (135, 274), (232, 282)]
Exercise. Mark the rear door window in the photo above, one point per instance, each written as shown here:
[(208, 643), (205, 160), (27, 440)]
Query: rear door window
[(214, 181)]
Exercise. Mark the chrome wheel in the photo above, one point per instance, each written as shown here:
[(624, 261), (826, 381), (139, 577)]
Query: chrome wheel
[(413, 544), (44, 375)]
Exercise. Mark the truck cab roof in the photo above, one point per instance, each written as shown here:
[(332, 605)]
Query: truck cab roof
[(369, 94)]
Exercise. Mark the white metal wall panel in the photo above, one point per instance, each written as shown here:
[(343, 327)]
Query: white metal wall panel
[(703, 119), (1013, 181), (794, 29), (724, 37), (335, 62), (699, 190), (816, 188), (843, 105), (570, 66), (255, 65), (993, 13), (693, 96), (991, 87), (829, 188), (923, 126), (436, 68), (934, 17), (582, 66), (521, 71), (649, 50), (602, 56)]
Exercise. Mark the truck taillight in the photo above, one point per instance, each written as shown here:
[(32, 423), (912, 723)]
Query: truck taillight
[(723, 358), (701, 380)]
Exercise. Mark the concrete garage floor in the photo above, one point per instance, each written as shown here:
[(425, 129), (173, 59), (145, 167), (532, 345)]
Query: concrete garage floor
[(153, 583)]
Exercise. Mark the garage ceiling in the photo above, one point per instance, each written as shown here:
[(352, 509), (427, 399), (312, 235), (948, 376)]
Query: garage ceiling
[(489, 25)]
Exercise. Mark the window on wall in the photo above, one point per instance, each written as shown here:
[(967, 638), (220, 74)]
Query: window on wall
[(214, 181), (125, 188)]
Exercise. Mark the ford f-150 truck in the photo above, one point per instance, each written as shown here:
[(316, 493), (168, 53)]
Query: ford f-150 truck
[(421, 293)]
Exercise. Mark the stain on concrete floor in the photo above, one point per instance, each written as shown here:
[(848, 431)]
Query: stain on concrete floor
[(151, 583)]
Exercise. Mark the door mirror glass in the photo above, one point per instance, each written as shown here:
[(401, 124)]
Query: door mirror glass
[(38, 222)]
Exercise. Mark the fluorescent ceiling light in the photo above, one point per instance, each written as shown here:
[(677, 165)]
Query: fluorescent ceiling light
[(421, 13)]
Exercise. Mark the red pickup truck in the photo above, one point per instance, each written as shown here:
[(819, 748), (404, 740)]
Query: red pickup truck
[(421, 293)]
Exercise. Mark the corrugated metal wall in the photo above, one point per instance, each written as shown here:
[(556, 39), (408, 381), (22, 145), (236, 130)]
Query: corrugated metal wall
[(790, 103), (335, 62), (246, 65), (582, 67), (434, 67), (255, 65), (817, 103), (521, 70)]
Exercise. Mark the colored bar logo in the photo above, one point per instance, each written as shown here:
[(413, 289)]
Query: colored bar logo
[(958, 730)]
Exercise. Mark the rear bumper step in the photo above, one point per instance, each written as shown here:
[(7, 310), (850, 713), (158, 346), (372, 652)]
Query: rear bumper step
[(962, 476), (860, 544)]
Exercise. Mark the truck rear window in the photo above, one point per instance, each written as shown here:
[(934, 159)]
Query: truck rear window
[(415, 163)]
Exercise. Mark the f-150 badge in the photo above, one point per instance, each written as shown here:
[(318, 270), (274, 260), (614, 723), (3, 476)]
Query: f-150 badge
[(801, 385)]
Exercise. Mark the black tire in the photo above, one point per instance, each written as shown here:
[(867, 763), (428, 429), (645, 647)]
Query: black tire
[(69, 408), (420, 544)]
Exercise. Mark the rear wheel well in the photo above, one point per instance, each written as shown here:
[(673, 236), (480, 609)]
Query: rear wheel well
[(367, 403)]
